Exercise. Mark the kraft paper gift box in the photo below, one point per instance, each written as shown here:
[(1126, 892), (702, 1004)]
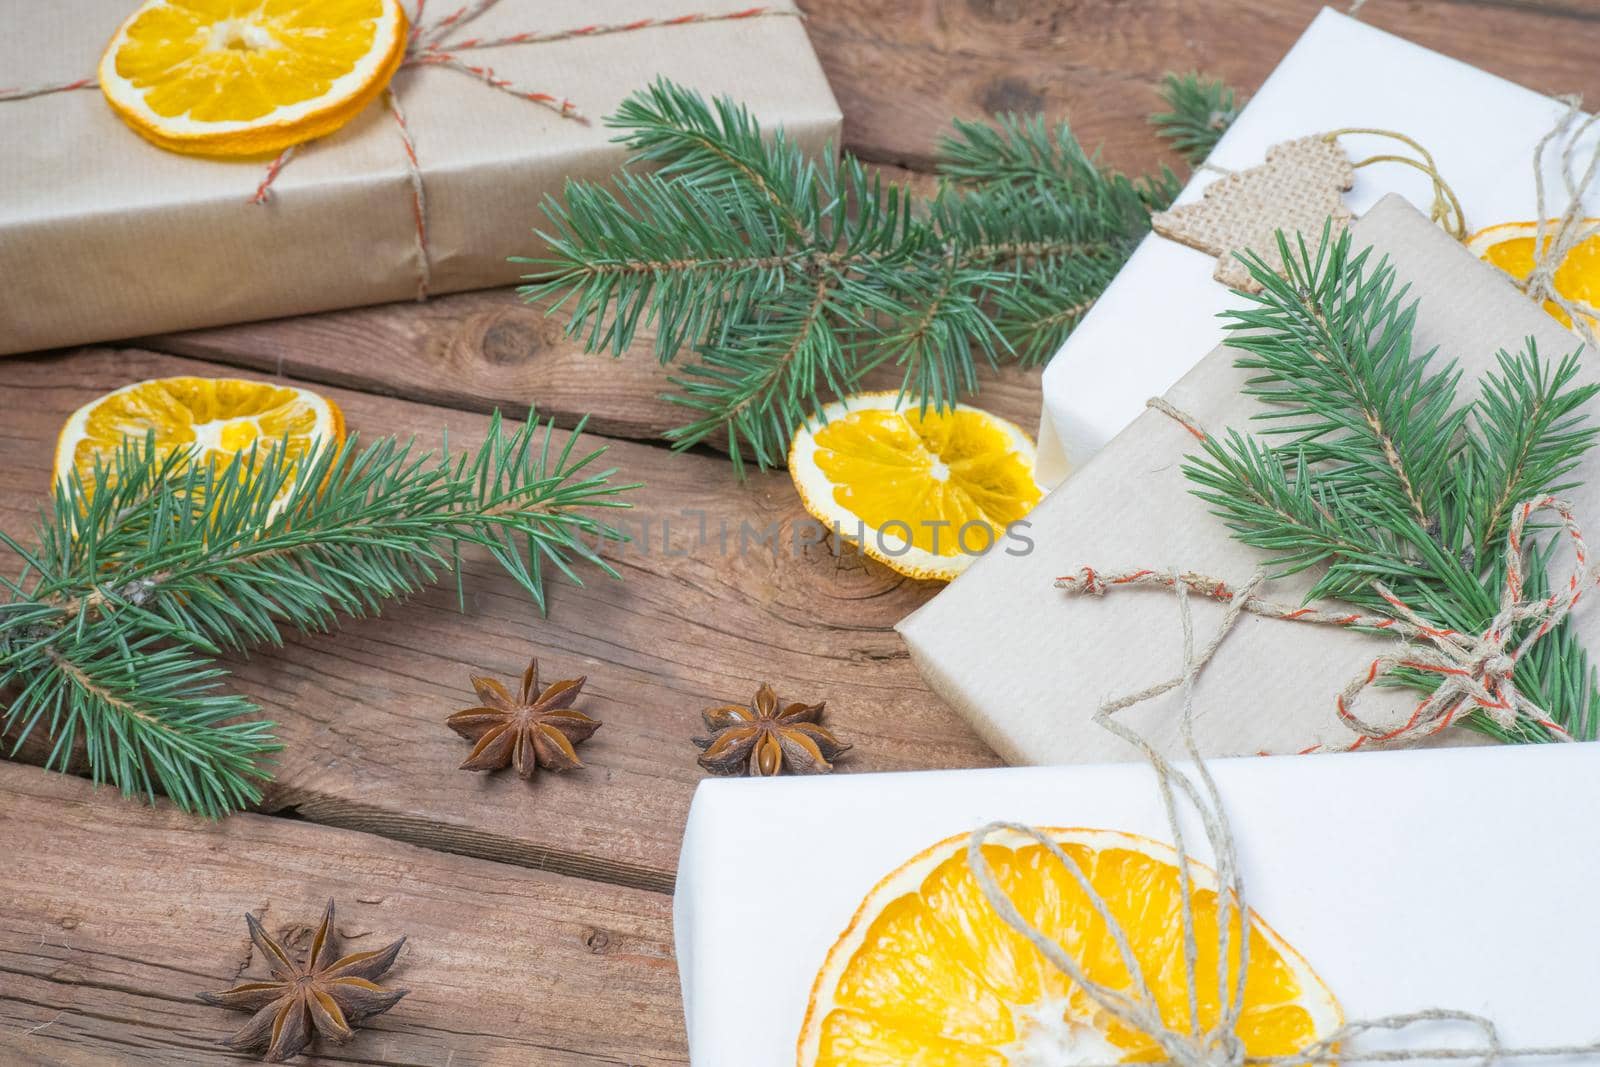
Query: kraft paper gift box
[(104, 236), (1028, 665), (1161, 309), (1475, 899)]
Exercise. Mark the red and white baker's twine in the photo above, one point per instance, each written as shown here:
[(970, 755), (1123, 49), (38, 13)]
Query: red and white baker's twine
[(28, 91), (427, 47), (1476, 672)]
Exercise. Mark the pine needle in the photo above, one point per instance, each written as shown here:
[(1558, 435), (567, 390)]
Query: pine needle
[(1199, 111), (776, 281), (154, 563), (1368, 471)]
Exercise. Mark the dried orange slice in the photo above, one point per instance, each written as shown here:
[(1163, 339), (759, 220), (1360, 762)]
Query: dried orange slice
[(217, 417), (1510, 246), (249, 77), (924, 493), (928, 974)]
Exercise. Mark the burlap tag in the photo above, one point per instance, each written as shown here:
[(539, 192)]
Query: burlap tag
[(1297, 189)]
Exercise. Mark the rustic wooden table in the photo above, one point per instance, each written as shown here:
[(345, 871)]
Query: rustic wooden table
[(539, 915)]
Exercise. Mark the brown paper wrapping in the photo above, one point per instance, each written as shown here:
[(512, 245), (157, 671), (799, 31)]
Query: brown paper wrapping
[(104, 236), (1029, 665)]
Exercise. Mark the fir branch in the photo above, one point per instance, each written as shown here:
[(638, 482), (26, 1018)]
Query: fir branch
[(1270, 501), (719, 144), (1368, 471), (788, 278), (753, 382), (153, 563), (1199, 111), (1531, 411), (1333, 343), (1023, 154)]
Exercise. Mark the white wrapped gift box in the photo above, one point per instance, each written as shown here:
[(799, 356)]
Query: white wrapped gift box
[(1160, 312), (1459, 878)]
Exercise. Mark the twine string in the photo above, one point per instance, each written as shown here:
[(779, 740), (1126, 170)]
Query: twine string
[(1220, 1045), (1476, 672), (28, 92), (419, 194), (599, 29), (264, 189), (427, 46), (1446, 207), (1551, 246)]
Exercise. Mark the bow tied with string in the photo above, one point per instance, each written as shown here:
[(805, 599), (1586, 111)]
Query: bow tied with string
[(1190, 1043), (1556, 238), (1475, 672)]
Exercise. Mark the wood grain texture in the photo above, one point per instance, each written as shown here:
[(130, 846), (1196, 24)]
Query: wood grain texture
[(697, 621), (903, 68), (486, 350), (100, 960), (112, 913)]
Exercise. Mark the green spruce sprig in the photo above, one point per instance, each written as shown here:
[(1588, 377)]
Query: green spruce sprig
[(774, 279), (154, 564), (1368, 470), (1199, 111)]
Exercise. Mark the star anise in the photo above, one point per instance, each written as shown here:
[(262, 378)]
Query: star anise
[(325, 996), (525, 732), (762, 740)]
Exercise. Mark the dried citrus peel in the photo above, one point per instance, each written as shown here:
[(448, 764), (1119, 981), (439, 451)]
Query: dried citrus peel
[(1510, 247), (927, 973), (924, 492), (225, 78)]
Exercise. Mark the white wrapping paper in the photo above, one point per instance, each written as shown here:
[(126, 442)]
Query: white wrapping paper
[(1160, 313), (1456, 879)]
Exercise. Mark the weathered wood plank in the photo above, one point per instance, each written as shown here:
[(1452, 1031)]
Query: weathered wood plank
[(903, 68), (113, 915), (486, 350), (693, 624)]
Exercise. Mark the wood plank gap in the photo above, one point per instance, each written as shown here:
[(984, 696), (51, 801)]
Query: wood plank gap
[(466, 841), (100, 959), (1535, 7)]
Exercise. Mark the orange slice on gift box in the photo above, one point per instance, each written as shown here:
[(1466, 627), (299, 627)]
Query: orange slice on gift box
[(924, 492), (250, 77), (215, 417), (928, 974), (1510, 246)]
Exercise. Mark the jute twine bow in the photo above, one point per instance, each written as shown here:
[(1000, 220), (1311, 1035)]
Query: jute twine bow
[(1136, 1006), (428, 46), (1476, 672), (1555, 238)]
